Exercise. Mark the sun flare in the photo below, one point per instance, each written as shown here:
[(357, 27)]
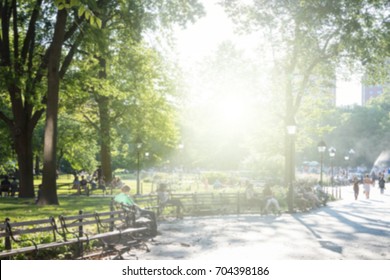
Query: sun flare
[(233, 114)]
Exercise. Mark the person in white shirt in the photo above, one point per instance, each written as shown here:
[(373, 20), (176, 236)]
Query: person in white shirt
[(164, 199)]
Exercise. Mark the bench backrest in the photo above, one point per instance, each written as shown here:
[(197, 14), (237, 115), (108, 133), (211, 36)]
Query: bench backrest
[(101, 221), (12, 230)]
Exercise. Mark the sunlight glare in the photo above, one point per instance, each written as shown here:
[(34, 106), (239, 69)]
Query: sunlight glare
[(232, 113)]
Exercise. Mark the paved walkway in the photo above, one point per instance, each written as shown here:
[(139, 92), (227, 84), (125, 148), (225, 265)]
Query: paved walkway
[(345, 229)]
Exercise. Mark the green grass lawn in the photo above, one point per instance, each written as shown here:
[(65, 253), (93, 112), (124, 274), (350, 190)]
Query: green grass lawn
[(18, 209), (21, 209)]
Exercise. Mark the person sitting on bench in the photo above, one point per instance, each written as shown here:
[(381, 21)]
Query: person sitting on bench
[(5, 186), (164, 199), (270, 200), (253, 199), (124, 199)]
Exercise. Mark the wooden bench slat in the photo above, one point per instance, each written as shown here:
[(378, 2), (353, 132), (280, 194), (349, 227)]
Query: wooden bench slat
[(91, 215), (32, 222), (8, 253), (78, 217), (82, 223), (117, 232), (31, 230)]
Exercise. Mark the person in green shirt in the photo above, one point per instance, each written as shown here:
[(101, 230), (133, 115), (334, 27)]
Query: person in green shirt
[(125, 199)]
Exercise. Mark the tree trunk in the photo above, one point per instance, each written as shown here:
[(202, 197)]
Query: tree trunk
[(22, 128), (105, 136), (49, 179), (37, 164), (105, 146), (289, 145), (23, 147)]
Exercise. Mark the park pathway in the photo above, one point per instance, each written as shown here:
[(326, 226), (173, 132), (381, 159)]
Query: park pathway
[(345, 229)]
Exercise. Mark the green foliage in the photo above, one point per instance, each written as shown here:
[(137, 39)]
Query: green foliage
[(365, 129), (7, 160)]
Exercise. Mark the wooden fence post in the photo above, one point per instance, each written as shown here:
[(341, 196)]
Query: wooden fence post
[(81, 234), (112, 215), (7, 244)]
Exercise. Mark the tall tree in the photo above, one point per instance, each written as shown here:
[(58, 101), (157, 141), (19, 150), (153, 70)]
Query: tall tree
[(57, 67), (20, 82), (49, 195), (126, 24), (28, 48)]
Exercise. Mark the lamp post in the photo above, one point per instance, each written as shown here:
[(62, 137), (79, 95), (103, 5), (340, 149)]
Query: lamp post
[(146, 159), (347, 168), (291, 131), (180, 157), (139, 146), (351, 153), (332, 154), (321, 149)]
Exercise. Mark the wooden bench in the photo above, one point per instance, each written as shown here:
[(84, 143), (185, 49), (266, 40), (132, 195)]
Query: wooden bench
[(27, 235), (204, 203), (215, 203), (115, 230), (148, 201)]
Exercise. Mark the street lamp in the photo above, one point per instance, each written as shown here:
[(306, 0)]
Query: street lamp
[(321, 149), (347, 158), (139, 146), (291, 131), (146, 159), (351, 153), (332, 153), (347, 168), (180, 157)]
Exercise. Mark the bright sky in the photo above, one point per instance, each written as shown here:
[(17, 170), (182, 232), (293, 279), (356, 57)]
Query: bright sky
[(202, 39), (348, 92)]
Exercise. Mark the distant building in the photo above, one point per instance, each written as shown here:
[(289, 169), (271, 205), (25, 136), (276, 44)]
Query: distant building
[(373, 91), (370, 91)]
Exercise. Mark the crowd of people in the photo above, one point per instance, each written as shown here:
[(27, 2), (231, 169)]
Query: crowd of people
[(88, 184), (305, 198), (368, 182)]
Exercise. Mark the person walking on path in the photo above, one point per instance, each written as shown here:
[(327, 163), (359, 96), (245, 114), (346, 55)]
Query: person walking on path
[(367, 182), (356, 187), (381, 182)]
